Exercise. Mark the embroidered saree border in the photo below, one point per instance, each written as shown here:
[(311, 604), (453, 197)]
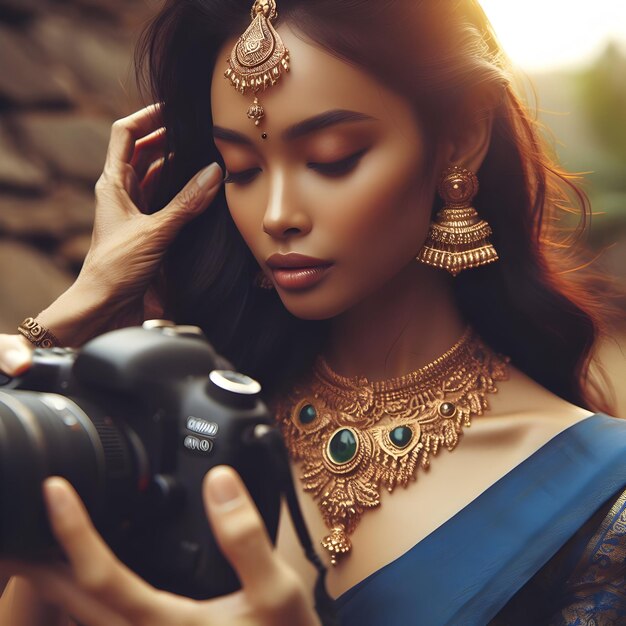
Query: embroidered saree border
[(596, 589)]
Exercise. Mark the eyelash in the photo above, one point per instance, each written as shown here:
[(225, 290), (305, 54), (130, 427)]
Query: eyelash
[(339, 168), (241, 178), (335, 169)]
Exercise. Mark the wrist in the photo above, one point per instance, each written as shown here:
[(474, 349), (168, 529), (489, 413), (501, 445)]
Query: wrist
[(36, 334), (77, 315)]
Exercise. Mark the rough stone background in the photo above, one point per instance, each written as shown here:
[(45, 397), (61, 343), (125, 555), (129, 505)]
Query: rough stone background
[(65, 75)]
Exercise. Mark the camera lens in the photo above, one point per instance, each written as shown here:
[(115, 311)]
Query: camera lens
[(44, 434)]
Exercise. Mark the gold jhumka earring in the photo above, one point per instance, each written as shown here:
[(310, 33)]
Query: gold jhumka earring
[(458, 239), (257, 58)]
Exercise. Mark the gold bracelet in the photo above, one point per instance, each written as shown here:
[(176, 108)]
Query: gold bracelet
[(38, 335)]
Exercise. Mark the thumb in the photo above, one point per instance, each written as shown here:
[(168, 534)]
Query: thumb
[(193, 198), (239, 529), (15, 355), (273, 589)]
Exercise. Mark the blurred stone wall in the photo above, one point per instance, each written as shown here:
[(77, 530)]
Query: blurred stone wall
[(65, 75)]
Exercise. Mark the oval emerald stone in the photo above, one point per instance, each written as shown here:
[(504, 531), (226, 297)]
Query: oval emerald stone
[(342, 447), (401, 436), (307, 414)]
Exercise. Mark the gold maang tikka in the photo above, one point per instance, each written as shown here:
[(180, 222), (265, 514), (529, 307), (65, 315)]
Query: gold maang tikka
[(257, 58), (354, 436)]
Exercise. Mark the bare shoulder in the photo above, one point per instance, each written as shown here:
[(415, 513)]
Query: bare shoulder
[(522, 417), (523, 399)]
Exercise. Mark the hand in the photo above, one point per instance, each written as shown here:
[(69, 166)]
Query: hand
[(15, 354), (127, 244), (98, 590), (118, 284)]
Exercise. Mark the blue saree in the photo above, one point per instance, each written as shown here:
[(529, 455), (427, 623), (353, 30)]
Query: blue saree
[(558, 517)]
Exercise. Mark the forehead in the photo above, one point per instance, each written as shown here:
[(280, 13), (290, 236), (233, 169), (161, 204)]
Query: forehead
[(317, 81)]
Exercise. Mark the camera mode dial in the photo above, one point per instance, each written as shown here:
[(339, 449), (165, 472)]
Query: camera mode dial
[(233, 388)]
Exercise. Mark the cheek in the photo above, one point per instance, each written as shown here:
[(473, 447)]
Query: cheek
[(384, 217), (246, 221)]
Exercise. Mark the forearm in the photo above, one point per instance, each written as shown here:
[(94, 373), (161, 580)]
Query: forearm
[(20, 605)]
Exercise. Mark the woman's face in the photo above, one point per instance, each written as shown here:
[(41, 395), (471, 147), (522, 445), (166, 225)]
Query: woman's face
[(351, 194)]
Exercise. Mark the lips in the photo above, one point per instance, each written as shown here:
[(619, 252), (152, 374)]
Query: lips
[(293, 259), (297, 271)]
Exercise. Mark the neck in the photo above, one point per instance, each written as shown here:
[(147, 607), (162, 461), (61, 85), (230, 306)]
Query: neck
[(407, 324)]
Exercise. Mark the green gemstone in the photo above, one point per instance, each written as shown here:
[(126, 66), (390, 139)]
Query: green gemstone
[(343, 446), (401, 436), (307, 414)]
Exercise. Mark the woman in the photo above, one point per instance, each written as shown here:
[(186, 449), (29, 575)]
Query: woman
[(344, 248)]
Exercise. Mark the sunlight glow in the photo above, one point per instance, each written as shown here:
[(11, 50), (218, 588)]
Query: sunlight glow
[(540, 35)]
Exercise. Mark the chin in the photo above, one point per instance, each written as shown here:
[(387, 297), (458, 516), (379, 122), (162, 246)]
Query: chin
[(313, 306)]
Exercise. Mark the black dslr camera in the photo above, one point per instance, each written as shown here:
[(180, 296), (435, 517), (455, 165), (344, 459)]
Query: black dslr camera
[(134, 420)]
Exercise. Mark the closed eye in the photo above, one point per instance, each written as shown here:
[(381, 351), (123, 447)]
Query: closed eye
[(338, 168), (243, 177)]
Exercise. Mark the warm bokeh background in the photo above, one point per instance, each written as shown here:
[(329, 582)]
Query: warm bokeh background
[(66, 74)]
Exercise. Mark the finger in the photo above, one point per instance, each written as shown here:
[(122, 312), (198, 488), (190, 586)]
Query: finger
[(195, 196), (134, 192), (126, 131), (135, 195), (57, 587), (94, 567), (239, 529), (16, 354), (149, 183), (147, 150), (22, 603), (273, 589)]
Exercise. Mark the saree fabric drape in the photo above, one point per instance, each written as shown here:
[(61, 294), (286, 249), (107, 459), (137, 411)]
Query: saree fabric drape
[(466, 571)]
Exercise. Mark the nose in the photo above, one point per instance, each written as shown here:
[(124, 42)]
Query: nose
[(285, 214)]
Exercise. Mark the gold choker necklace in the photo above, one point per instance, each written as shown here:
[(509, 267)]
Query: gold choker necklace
[(354, 435)]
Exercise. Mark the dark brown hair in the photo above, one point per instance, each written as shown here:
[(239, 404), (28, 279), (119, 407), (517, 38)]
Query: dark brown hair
[(444, 58)]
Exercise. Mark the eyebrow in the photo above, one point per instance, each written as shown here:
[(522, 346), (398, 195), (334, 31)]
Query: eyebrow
[(300, 129)]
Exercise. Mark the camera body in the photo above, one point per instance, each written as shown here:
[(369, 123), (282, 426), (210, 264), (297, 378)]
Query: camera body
[(134, 420)]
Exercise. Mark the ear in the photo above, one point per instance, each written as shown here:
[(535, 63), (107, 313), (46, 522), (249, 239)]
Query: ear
[(470, 143)]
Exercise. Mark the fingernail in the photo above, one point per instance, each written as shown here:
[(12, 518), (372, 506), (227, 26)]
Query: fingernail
[(210, 175), (222, 486), (16, 360), (55, 496)]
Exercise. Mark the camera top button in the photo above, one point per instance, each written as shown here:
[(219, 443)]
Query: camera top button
[(157, 324), (234, 382), (233, 389), (189, 331)]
